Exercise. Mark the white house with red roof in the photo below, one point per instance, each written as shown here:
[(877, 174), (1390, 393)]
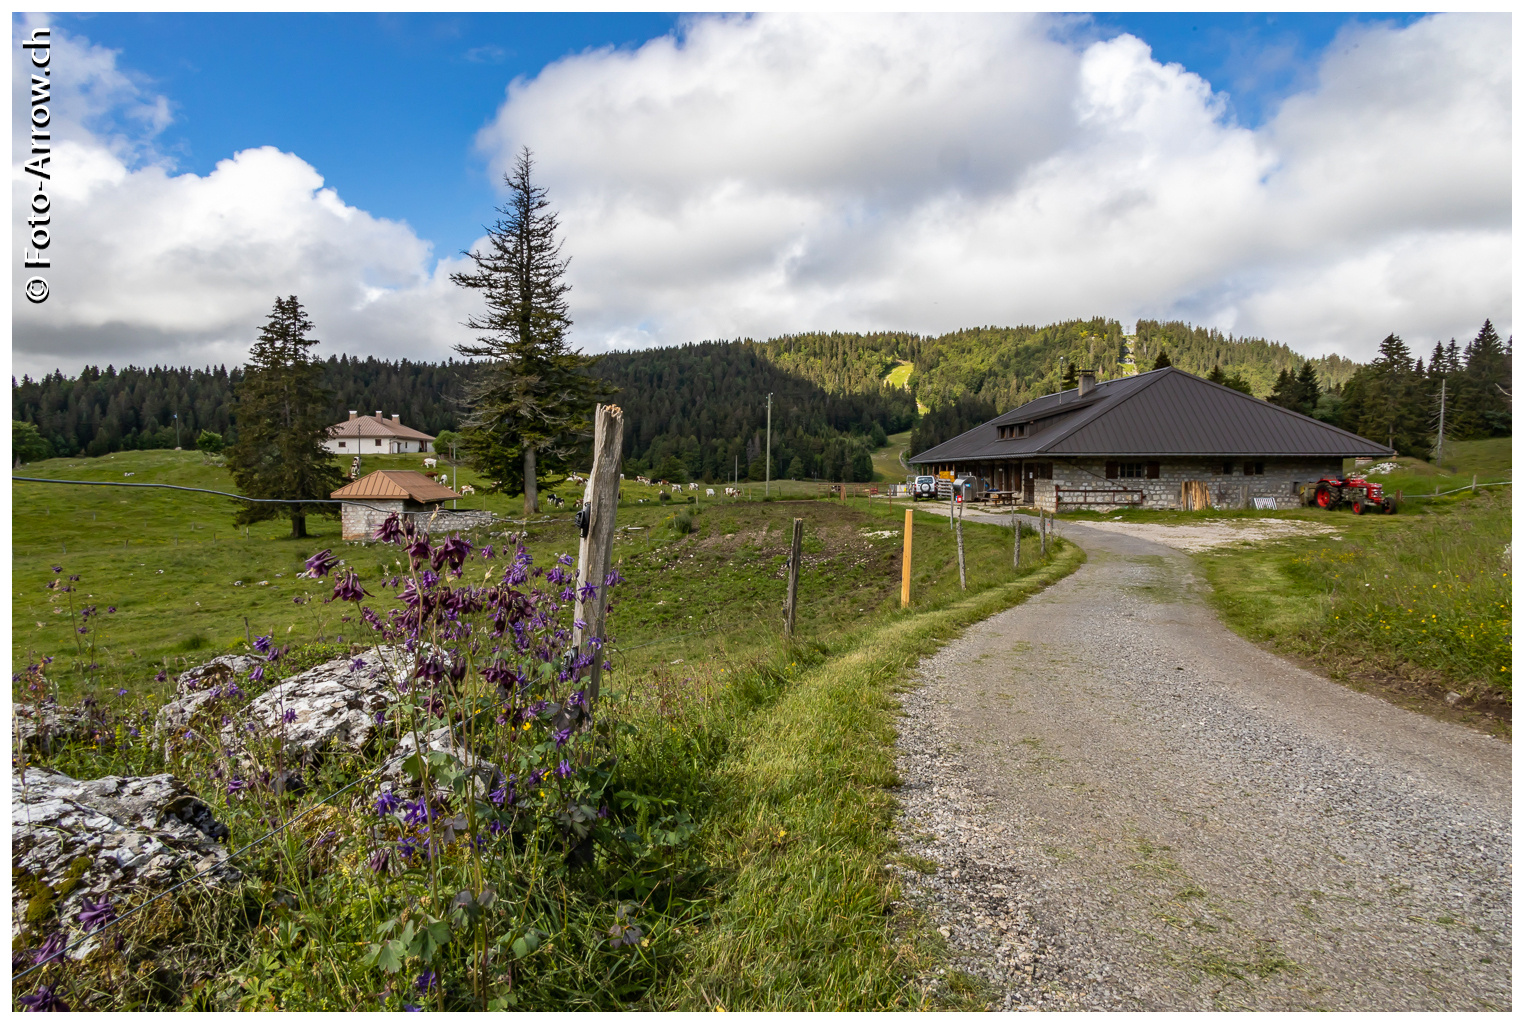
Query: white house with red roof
[(376, 435)]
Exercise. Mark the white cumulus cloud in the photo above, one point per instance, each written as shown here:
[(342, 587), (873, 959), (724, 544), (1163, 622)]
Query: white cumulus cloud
[(781, 173), (153, 266)]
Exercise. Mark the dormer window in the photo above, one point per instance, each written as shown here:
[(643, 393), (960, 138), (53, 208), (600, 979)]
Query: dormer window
[(1010, 431)]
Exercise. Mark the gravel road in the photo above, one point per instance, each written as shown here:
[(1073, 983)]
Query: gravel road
[(1129, 807)]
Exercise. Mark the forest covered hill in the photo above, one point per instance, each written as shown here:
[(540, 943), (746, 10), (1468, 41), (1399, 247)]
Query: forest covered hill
[(699, 410)]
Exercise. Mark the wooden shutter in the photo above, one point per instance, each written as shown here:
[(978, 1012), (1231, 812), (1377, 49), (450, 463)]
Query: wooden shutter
[(1111, 470), (1152, 471)]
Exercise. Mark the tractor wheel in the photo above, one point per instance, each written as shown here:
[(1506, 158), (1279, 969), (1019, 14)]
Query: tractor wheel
[(1358, 505), (1389, 505), (1323, 497)]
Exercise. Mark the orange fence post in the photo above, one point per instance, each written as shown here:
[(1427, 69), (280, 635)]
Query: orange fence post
[(905, 565)]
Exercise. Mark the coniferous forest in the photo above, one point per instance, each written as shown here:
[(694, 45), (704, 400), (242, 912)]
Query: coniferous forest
[(699, 411)]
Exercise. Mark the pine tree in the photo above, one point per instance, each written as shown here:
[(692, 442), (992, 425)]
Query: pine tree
[(1383, 400), (1162, 360), (281, 410), (1482, 407), (530, 405), (1287, 393), (1307, 388)]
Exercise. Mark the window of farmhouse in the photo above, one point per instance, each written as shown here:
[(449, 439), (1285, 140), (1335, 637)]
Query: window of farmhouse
[(341, 444), (1130, 469), (1228, 469), (1253, 469), (378, 442)]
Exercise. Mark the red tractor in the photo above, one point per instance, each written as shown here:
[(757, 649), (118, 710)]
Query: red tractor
[(1357, 492)]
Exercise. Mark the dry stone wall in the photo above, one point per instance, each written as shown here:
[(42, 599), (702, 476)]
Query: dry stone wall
[(1227, 491)]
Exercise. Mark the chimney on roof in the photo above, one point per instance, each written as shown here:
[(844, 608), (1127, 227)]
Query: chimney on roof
[(1087, 383), (379, 416), (397, 418), (352, 414)]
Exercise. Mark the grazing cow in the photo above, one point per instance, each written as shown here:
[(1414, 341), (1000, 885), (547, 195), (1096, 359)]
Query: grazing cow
[(467, 489), (709, 492), (431, 463), (693, 487)]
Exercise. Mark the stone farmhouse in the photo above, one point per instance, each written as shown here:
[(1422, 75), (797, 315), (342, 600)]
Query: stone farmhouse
[(376, 435), (408, 493), (1164, 439)]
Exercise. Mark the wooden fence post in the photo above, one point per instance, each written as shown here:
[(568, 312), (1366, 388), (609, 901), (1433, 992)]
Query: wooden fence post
[(1042, 533), (905, 565), (794, 579), (958, 532), (1016, 544), (596, 524)]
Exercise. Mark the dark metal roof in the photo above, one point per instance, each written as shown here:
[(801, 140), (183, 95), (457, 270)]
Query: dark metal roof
[(1163, 413)]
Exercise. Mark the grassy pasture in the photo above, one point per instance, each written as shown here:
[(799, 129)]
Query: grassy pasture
[(778, 899), (887, 459)]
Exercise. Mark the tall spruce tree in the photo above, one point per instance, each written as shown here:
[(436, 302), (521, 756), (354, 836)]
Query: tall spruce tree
[(280, 408), (1162, 360), (1383, 401), (530, 404), (1487, 371), (1307, 388)]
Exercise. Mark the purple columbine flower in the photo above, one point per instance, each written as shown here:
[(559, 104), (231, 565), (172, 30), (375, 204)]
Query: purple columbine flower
[(387, 803), (97, 916), (264, 644), (51, 948), (121, 692), (497, 796), (561, 737), (411, 1007), (45, 999), (380, 858), (257, 673), (347, 588), (356, 664), (290, 716), (381, 718), (495, 827), (416, 812), (426, 981), (406, 848), (564, 769), (237, 786), (321, 563), (487, 551), (390, 531)]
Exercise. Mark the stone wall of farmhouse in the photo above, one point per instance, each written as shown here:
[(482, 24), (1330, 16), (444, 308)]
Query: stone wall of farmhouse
[(1228, 491), (359, 522)]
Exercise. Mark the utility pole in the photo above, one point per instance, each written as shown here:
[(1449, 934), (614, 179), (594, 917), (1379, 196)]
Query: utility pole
[(1440, 435), (768, 458), (455, 477), (177, 430)]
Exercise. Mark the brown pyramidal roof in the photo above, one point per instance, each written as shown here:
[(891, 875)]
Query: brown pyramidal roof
[(395, 484), (375, 427)]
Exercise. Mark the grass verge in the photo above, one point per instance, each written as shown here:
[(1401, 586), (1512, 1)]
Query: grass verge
[(801, 829)]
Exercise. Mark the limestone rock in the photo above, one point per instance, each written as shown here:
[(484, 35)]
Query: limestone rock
[(200, 686), (45, 727), (334, 703), (104, 837)]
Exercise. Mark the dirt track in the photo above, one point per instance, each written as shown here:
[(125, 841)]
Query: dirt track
[(1131, 807)]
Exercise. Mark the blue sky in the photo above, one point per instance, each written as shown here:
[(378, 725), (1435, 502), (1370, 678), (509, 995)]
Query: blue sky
[(1321, 180), (387, 106)]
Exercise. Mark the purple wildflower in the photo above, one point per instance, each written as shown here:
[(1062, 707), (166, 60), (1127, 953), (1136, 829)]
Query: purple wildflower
[(381, 718), (561, 737), (58, 569), (497, 796), (564, 769), (160, 676), (416, 812), (257, 673), (380, 858), (387, 803), (264, 644), (487, 551), (321, 563), (289, 716), (45, 999), (407, 847), (390, 531), (356, 664), (121, 692), (51, 948), (410, 1007), (96, 916), (237, 786), (426, 981), (110, 608)]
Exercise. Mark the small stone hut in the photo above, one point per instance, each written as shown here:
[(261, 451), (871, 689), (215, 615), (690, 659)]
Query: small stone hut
[(371, 499), (1164, 439)]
